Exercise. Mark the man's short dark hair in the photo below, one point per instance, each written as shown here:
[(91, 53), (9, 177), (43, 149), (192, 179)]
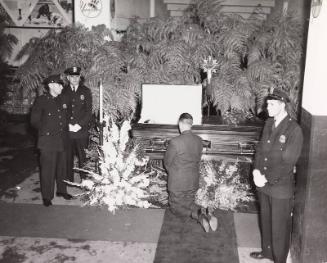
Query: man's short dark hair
[(186, 117)]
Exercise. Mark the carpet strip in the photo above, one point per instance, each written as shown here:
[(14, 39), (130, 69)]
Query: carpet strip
[(184, 241)]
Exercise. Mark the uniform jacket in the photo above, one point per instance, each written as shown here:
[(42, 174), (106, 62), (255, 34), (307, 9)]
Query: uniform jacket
[(276, 156), (80, 109), (182, 161), (49, 117)]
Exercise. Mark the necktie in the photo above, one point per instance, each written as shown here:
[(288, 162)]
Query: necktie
[(274, 125)]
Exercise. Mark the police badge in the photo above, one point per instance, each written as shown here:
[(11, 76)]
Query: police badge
[(82, 97), (64, 106), (282, 139)]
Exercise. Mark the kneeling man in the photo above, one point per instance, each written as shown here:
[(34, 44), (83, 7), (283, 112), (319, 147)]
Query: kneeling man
[(182, 161)]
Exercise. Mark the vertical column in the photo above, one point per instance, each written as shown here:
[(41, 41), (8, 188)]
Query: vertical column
[(152, 8), (310, 212)]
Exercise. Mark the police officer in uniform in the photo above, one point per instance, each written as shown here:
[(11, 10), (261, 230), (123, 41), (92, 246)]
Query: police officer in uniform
[(182, 161), (275, 159), (80, 108), (49, 117)]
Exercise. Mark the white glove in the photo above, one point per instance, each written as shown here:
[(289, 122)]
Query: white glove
[(74, 128), (77, 127), (258, 178)]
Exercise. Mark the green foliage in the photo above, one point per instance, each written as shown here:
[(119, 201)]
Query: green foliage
[(7, 42), (253, 55), (275, 57), (98, 58)]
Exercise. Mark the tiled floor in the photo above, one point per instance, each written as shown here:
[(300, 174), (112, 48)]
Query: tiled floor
[(41, 250), (248, 237)]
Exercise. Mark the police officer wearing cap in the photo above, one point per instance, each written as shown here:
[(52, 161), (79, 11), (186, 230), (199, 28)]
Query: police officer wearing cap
[(273, 174), (49, 117), (80, 108)]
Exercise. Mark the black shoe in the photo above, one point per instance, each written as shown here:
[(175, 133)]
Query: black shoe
[(258, 255), (66, 196), (47, 202)]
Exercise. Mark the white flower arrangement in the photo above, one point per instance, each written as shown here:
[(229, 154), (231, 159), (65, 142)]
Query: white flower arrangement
[(119, 183), (220, 186)]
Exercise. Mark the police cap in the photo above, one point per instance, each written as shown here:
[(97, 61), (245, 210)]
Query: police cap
[(53, 79), (73, 71), (277, 94)]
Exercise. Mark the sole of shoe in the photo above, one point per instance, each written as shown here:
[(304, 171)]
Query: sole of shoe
[(213, 222), (205, 224)]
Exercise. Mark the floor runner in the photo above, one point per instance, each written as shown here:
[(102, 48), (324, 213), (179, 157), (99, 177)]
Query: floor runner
[(184, 241)]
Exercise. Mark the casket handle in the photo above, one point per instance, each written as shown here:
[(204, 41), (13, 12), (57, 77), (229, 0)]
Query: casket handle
[(246, 147)]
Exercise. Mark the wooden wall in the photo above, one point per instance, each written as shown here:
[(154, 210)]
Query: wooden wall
[(310, 212)]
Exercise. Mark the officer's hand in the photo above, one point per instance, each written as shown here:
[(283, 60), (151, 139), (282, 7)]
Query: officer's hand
[(74, 128), (256, 173), (71, 128), (77, 127), (258, 178)]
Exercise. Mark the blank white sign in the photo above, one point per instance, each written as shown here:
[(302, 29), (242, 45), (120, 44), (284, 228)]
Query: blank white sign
[(163, 104)]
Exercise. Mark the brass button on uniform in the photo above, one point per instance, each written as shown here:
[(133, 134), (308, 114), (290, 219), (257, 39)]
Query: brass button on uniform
[(71, 118), (59, 117), (49, 114), (265, 168), (48, 133), (268, 141), (266, 159)]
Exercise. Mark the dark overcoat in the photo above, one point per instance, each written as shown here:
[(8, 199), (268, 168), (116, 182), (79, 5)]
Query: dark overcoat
[(80, 109), (276, 156), (182, 161), (49, 116)]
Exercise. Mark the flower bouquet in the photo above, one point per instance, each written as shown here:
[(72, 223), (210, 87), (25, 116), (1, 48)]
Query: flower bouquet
[(120, 181), (221, 186)]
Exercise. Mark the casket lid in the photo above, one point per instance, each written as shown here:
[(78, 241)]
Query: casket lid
[(163, 104)]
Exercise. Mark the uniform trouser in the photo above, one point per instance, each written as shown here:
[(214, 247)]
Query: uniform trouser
[(182, 203), (276, 223), (53, 168), (76, 146)]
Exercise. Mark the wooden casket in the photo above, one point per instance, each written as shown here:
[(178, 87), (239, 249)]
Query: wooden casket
[(219, 141)]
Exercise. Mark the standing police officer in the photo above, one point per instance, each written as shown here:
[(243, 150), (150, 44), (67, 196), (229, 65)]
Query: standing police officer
[(276, 155), (49, 117), (80, 108)]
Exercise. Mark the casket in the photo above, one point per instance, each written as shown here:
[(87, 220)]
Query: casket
[(161, 107)]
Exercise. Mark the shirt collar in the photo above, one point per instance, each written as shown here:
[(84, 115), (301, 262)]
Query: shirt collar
[(279, 120), (187, 132), (74, 88)]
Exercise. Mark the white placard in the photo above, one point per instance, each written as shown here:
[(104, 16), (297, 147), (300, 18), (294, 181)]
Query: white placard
[(163, 104), (92, 12)]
